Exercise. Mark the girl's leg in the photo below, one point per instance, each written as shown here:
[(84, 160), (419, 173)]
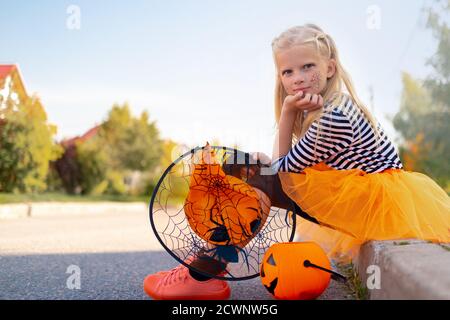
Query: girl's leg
[(271, 186)]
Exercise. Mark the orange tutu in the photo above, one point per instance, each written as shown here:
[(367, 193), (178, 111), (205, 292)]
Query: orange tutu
[(354, 207)]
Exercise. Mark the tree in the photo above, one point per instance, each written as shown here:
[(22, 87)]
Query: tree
[(424, 115), (93, 162), (439, 81), (133, 142), (123, 144), (170, 152), (26, 146)]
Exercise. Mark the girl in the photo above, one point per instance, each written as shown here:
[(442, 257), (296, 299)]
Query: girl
[(333, 159)]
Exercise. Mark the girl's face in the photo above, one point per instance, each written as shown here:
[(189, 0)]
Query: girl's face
[(301, 68)]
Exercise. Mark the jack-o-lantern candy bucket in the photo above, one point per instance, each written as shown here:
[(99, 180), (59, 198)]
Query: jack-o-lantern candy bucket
[(292, 271)]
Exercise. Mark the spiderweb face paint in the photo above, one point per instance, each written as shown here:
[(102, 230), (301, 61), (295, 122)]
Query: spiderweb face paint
[(315, 82)]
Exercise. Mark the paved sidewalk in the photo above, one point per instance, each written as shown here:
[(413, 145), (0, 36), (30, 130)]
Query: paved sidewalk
[(114, 250), (115, 247)]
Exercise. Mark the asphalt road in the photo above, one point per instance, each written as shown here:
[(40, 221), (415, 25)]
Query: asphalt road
[(114, 252)]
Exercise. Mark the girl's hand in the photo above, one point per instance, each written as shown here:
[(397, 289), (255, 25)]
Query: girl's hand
[(254, 168), (262, 157), (300, 102)]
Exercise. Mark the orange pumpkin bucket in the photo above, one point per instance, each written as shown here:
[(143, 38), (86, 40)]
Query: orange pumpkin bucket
[(296, 271)]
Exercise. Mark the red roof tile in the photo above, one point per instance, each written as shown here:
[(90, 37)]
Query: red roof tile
[(6, 69), (89, 134)]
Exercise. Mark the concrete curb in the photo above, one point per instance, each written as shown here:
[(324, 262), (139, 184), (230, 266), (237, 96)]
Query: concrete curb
[(407, 269), (46, 209), (16, 210)]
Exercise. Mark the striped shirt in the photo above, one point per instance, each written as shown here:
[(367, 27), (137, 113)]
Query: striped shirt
[(346, 141)]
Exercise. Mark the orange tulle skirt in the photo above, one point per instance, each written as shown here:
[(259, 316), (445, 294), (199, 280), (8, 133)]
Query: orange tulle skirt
[(354, 207)]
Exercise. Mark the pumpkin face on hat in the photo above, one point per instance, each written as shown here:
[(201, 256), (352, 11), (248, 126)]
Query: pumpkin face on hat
[(220, 208), (285, 276)]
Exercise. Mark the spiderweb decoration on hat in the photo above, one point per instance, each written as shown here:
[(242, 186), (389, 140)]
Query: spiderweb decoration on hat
[(212, 222)]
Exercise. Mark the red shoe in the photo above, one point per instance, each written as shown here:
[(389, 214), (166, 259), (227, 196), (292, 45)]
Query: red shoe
[(178, 284)]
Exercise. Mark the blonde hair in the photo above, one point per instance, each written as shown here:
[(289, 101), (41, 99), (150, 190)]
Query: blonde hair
[(332, 93)]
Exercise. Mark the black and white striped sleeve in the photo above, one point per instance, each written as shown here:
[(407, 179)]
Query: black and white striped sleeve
[(335, 134)]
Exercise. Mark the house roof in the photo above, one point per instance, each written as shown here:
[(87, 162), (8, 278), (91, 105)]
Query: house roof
[(86, 136), (5, 70)]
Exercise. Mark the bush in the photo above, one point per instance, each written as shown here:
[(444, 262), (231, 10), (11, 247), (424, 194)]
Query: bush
[(26, 146)]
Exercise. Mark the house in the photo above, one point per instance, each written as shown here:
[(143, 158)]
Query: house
[(67, 166), (69, 170), (12, 87)]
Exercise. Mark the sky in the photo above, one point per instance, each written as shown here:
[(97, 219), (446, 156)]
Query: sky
[(203, 70)]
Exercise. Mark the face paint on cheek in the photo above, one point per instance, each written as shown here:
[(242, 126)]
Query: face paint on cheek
[(315, 81)]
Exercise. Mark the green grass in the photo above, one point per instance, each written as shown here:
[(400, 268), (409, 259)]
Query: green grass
[(62, 197), (401, 243), (358, 289)]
